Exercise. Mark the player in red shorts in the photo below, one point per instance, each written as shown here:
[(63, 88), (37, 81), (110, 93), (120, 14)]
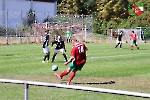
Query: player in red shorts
[(77, 60), (133, 37)]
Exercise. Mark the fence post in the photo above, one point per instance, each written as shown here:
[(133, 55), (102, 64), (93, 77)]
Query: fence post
[(6, 28), (85, 33), (26, 86)]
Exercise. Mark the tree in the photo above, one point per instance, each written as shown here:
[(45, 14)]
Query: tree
[(49, 19), (66, 7), (31, 17), (108, 13), (76, 7), (112, 9)]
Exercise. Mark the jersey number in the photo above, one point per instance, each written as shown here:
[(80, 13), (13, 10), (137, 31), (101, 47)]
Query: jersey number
[(81, 49)]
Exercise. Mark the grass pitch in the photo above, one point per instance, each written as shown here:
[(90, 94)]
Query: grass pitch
[(128, 68)]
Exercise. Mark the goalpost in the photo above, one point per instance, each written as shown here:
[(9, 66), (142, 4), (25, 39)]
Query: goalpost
[(112, 33), (58, 29), (126, 32)]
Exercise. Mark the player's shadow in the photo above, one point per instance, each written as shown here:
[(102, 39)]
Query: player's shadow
[(90, 83), (130, 49)]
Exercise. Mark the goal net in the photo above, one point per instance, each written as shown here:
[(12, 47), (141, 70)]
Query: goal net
[(81, 25), (112, 35), (56, 29), (127, 32)]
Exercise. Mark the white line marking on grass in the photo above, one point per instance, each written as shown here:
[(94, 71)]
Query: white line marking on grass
[(115, 56)]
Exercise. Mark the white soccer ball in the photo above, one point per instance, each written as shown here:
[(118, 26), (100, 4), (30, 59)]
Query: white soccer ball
[(54, 68)]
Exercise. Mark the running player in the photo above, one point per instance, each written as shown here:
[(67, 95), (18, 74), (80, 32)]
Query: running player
[(46, 46), (77, 60), (133, 37), (60, 47), (119, 40)]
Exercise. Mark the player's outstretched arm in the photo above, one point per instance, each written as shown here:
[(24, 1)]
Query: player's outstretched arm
[(44, 44), (70, 60)]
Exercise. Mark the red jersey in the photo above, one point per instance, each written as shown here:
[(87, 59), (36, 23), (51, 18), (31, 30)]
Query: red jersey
[(133, 36), (79, 53)]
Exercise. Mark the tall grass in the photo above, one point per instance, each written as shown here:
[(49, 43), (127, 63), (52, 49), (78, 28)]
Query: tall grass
[(128, 68)]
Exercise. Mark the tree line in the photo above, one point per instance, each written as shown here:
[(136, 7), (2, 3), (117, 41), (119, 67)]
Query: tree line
[(108, 14)]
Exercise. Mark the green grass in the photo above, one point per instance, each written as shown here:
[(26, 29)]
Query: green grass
[(128, 68)]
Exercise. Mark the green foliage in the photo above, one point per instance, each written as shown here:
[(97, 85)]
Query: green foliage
[(31, 17), (147, 33), (112, 9), (108, 13), (2, 31), (10, 31), (49, 19)]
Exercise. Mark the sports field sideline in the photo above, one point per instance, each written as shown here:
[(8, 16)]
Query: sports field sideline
[(129, 69)]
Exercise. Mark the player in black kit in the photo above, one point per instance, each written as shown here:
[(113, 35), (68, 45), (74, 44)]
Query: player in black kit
[(45, 46), (119, 39), (60, 47)]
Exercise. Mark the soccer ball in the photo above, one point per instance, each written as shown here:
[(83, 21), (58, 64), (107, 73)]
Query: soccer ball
[(54, 68)]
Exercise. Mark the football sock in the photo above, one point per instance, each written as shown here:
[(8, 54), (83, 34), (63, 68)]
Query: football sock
[(53, 58), (48, 57), (64, 73), (131, 47), (136, 45), (45, 57), (116, 45), (72, 75), (120, 45), (65, 57)]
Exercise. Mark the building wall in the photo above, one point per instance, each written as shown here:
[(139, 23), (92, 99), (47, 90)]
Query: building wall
[(25, 5), (15, 7)]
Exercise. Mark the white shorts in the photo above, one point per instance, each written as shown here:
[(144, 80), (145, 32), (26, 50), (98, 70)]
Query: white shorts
[(60, 50), (118, 41), (68, 37), (46, 49)]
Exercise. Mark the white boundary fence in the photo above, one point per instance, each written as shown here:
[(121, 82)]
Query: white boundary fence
[(92, 89)]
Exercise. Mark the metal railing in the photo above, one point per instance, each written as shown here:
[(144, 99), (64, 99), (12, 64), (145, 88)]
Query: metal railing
[(92, 89)]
